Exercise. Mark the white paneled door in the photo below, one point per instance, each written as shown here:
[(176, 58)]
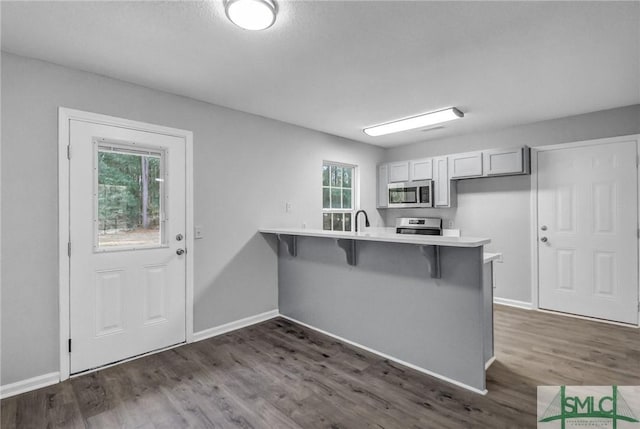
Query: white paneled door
[(127, 227), (588, 231)]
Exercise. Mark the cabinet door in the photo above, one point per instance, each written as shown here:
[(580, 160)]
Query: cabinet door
[(441, 182), (383, 181), (465, 165), (421, 169), (399, 172), (504, 161)]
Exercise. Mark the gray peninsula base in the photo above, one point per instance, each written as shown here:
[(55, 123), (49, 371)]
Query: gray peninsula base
[(390, 303)]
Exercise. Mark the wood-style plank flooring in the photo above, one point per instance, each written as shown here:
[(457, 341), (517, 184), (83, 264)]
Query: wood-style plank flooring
[(280, 375)]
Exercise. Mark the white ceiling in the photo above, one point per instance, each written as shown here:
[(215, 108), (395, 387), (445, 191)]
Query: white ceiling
[(338, 66)]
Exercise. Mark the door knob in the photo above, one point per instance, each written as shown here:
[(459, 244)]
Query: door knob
[(180, 251), (543, 227), (544, 239)]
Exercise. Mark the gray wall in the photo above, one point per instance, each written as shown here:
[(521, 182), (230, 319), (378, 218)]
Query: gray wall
[(270, 163), (499, 207)]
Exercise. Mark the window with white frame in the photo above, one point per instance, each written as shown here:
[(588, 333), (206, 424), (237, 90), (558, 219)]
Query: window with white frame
[(338, 196)]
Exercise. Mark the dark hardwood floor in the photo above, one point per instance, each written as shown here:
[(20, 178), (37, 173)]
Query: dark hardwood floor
[(280, 375)]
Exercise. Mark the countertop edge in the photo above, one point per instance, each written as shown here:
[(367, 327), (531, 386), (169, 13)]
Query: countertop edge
[(490, 257), (402, 239)]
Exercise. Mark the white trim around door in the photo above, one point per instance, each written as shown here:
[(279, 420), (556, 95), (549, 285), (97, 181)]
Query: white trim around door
[(65, 115), (534, 211)]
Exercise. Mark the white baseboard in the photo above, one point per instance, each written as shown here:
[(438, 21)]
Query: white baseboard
[(590, 319), (54, 377), (29, 384), (386, 356), (236, 324), (513, 303), (490, 362)]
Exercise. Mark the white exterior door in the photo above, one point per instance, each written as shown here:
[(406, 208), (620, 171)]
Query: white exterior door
[(587, 231), (127, 225)]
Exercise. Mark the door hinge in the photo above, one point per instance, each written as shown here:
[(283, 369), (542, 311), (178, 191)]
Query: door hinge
[(69, 345), (69, 151), (69, 249)]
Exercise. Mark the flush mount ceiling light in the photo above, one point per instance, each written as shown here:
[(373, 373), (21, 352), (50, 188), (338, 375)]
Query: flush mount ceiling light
[(420, 121), (251, 14)]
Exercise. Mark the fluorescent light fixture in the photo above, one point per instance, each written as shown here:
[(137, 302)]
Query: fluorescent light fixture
[(251, 14), (420, 121)]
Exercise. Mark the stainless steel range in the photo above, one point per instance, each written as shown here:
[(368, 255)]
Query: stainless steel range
[(419, 225)]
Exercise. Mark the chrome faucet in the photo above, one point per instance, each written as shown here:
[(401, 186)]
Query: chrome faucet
[(366, 219)]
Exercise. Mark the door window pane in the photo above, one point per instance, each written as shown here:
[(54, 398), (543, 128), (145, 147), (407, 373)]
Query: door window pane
[(346, 198), (347, 221), (336, 175), (337, 222), (336, 198), (129, 198), (326, 221), (325, 175), (347, 174), (326, 198)]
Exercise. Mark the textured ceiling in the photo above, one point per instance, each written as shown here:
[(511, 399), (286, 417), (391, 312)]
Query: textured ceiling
[(338, 66)]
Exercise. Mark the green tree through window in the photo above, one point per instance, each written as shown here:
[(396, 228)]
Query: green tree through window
[(129, 187)]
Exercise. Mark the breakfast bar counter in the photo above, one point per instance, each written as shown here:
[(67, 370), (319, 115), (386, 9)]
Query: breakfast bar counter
[(423, 301), (382, 235)]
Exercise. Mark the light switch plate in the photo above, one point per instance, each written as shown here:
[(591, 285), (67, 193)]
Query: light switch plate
[(199, 231)]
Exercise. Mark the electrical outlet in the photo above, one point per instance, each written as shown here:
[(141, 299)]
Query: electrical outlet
[(199, 232), (450, 224)]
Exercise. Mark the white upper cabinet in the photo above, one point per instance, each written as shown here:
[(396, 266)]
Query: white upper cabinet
[(442, 186), (446, 170), (499, 162), (421, 169), (465, 165), (398, 171), (383, 181)]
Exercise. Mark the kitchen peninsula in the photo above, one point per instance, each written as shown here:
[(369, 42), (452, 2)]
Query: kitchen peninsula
[(423, 301)]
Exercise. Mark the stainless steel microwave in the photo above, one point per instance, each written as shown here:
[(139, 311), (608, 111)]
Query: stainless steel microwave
[(411, 194)]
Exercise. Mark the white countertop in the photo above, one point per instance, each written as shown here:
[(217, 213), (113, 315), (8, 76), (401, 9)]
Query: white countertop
[(383, 235), (488, 257)]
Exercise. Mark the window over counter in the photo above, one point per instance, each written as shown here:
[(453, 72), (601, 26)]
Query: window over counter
[(338, 196)]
